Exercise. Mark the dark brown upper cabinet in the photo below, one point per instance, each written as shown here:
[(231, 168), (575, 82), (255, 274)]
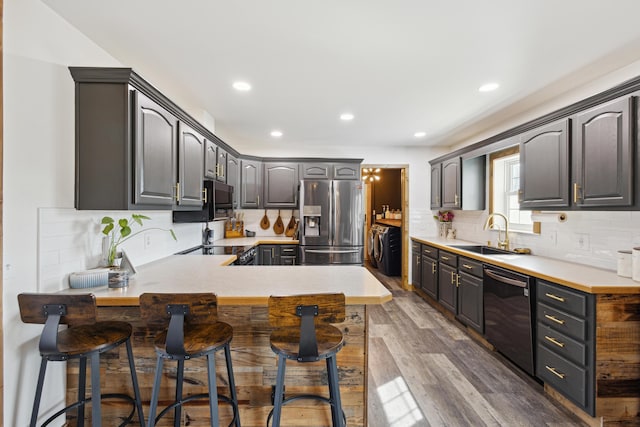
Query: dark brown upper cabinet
[(233, 177), (452, 183), (603, 155), (280, 185), (250, 184), (436, 189), (155, 154), (544, 166), (190, 167)]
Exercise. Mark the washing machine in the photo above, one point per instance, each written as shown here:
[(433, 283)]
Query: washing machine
[(372, 244), (389, 254)]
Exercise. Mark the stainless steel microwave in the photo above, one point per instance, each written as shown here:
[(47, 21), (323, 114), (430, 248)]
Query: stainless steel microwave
[(218, 204)]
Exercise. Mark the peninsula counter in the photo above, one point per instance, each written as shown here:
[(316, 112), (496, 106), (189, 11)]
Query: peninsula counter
[(243, 292)]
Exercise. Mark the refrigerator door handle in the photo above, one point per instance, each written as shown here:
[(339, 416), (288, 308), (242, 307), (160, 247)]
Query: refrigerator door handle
[(332, 214)]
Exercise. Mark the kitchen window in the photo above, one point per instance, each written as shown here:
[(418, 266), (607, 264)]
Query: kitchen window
[(505, 187)]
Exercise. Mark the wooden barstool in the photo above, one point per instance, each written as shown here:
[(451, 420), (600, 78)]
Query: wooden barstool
[(193, 331), (83, 339), (304, 333)]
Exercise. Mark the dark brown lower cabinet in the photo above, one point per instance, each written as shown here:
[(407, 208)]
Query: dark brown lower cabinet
[(447, 290)]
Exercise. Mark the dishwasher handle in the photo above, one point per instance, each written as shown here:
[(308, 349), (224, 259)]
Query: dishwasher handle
[(503, 279)]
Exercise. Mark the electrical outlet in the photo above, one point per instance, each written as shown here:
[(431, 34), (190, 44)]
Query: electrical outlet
[(147, 240), (581, 241)]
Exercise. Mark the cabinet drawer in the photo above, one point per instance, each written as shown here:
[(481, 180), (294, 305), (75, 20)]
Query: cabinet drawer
[(563, 298), (415, 247), (430, 252), (287, 260), (561, 374), (288, 250), (470, 266), (448, 258), (562, 322), (561, 344)]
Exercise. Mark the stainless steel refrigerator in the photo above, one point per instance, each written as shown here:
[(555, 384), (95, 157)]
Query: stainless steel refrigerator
[(332, 222)]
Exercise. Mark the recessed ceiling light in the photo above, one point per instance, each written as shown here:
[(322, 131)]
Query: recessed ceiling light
[(488, 87), (276, 133), (241, 86), (420, 134), (346, 116)]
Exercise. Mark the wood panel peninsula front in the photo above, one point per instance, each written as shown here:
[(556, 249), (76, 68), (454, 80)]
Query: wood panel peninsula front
[(242, 297)]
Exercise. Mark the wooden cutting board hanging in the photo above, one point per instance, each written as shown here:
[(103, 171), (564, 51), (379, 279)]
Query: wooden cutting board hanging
[(278, 227), (264, 222), (291, 226)]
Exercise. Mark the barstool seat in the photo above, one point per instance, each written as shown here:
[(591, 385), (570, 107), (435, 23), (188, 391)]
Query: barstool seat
[(84, 339), (304, 333), (193, 331)]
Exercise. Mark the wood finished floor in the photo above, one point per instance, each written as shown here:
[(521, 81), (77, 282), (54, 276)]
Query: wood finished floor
[(424, 370)]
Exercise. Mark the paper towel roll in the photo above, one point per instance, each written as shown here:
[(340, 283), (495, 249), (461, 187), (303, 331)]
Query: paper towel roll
[(548, 217)]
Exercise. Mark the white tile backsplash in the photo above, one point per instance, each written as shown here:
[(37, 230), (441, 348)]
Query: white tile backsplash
[(70, 240), (603, 232)]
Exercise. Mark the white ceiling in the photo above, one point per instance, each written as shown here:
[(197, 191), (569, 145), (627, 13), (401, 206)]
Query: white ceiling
[(399, 66)]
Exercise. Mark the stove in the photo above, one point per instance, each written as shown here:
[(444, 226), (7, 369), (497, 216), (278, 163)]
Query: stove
[(246, 254)]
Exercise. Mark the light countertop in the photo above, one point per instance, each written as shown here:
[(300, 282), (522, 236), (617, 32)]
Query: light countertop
[(577, 276), (241, 285)]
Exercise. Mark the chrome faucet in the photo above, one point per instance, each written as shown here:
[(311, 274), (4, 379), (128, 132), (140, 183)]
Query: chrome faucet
[(502, 244)]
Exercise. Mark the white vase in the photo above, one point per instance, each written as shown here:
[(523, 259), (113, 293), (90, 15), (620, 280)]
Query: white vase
[(444, 228)]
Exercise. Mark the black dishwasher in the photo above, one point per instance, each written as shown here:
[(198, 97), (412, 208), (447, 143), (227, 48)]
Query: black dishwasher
[(509, 315)]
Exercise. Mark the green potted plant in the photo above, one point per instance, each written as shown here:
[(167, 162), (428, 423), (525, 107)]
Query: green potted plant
[(120, 231)]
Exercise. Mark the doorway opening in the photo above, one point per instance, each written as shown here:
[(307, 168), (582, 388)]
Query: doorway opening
[(389, 194)]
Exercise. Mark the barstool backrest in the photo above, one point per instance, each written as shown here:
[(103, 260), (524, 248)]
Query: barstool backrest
[(203, 307), (80, 309), (283, 310)]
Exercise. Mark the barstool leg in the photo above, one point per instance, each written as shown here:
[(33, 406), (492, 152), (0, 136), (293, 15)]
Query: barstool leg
[(153, 405), (213, 389), (38, 396), (82, 389), (334, 387), (134, 380), (277, 401), (179, 381), (232, 384), (334, 417), (96, 407)]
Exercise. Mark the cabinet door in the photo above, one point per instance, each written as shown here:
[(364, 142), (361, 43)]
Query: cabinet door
[(250, 184), (416, 254), (544, 166), (233, 177), (288, 254), (267, 255), (155, 153), (436, 190), (316, 171), (346, 171), (280, 185), (221, 165), (210, 159), (451, 183), (447, 279), (470, 304), (430, 276), (603, 155), (190, 166)]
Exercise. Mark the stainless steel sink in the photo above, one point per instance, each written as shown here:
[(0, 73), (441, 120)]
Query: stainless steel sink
[(482, 249)]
